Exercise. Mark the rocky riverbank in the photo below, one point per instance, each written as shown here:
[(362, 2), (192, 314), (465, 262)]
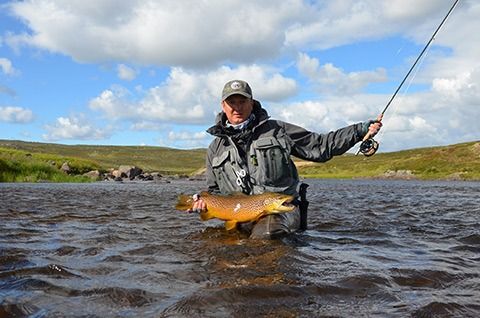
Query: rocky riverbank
[(125, 173)]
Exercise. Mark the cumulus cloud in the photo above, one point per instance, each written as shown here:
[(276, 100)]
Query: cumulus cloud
[(190, 97), (184, 34), (17, 115), (147, 125), (73, 127), (332, 80), (185, 135), (149, 31), (187, 139), (115, 103), (328, 114), (336, 23), (7, 67), (126, 73)]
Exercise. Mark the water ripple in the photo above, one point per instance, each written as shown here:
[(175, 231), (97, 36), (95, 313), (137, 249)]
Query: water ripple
[(372, 249)]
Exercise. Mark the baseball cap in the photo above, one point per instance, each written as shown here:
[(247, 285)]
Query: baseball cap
[(236, 87)]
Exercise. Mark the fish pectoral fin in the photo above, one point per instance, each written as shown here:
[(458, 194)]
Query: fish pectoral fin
[(230, 225), (261, 215), (284, 208), (205, 215)]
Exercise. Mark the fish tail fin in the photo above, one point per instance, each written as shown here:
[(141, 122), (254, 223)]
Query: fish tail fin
[(184, 203), (230, 225)]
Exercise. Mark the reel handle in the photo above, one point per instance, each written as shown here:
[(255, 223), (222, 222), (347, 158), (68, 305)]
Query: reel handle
[(368, 147)]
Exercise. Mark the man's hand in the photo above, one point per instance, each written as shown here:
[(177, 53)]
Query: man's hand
[(198, 204), (372, 127)]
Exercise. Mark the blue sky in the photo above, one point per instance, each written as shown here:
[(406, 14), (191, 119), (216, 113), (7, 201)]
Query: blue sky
[(151, 73)]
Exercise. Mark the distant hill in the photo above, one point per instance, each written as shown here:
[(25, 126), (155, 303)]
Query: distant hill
[(453, 162), (160, 159), (18, 159)]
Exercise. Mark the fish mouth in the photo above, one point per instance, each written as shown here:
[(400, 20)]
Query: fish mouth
[(288, 201), (287, 204)]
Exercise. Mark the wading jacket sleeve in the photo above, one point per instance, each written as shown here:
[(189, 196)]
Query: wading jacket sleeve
[(264, 163)]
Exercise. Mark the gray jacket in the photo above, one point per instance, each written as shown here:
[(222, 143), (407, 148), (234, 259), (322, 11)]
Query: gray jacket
[(257, 159)]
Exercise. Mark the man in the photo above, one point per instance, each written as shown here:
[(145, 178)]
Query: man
[(251, 154)]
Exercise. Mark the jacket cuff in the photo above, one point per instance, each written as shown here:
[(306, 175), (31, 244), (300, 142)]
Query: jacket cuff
[(361, 130)]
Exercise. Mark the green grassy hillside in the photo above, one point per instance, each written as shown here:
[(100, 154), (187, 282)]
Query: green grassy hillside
[(30, 161), (158, 159), (23, 166), (455, 162)]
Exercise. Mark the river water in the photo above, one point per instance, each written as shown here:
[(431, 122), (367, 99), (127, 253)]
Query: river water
[(373, 249)]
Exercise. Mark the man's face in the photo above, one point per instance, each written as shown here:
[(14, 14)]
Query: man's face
[(237, 108)]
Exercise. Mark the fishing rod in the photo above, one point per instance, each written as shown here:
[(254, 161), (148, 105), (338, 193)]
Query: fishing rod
[(369, 146)]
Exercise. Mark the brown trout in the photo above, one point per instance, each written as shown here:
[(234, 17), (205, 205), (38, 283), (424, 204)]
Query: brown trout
[(238, 207)]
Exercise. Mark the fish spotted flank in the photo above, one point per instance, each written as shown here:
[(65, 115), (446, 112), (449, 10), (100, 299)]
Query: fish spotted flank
[(238, 207)]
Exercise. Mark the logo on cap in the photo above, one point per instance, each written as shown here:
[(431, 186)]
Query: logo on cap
[(236, 85)]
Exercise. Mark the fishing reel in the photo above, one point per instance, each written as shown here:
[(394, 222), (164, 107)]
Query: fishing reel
[(368, 147)]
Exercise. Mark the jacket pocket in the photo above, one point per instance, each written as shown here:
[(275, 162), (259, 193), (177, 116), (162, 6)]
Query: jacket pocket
[(223, 171), (273, 162)]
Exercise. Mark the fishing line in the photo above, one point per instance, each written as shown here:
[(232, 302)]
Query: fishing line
[(369, 146), (405, 91)]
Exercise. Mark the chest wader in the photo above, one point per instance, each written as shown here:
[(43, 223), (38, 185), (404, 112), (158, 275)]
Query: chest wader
[(275, 226)]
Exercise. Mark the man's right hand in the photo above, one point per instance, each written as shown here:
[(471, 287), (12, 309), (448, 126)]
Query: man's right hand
[(371, 127)]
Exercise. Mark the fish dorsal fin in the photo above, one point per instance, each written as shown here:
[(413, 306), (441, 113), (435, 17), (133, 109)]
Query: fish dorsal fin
[(230, 225)]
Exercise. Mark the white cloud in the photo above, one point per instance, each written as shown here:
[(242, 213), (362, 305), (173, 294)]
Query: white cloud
[(332, 80), (126, 73), (149, 126), (186, 139), (18, 115), (328, 114), (74, 127), (185, 135), (115, 103), (464, 87), (190, 97), (336, 23), (7, 67), (157, 32), (201, 34)]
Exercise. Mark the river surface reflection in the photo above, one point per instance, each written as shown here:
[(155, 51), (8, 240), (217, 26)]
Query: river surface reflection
[(372, 249)]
